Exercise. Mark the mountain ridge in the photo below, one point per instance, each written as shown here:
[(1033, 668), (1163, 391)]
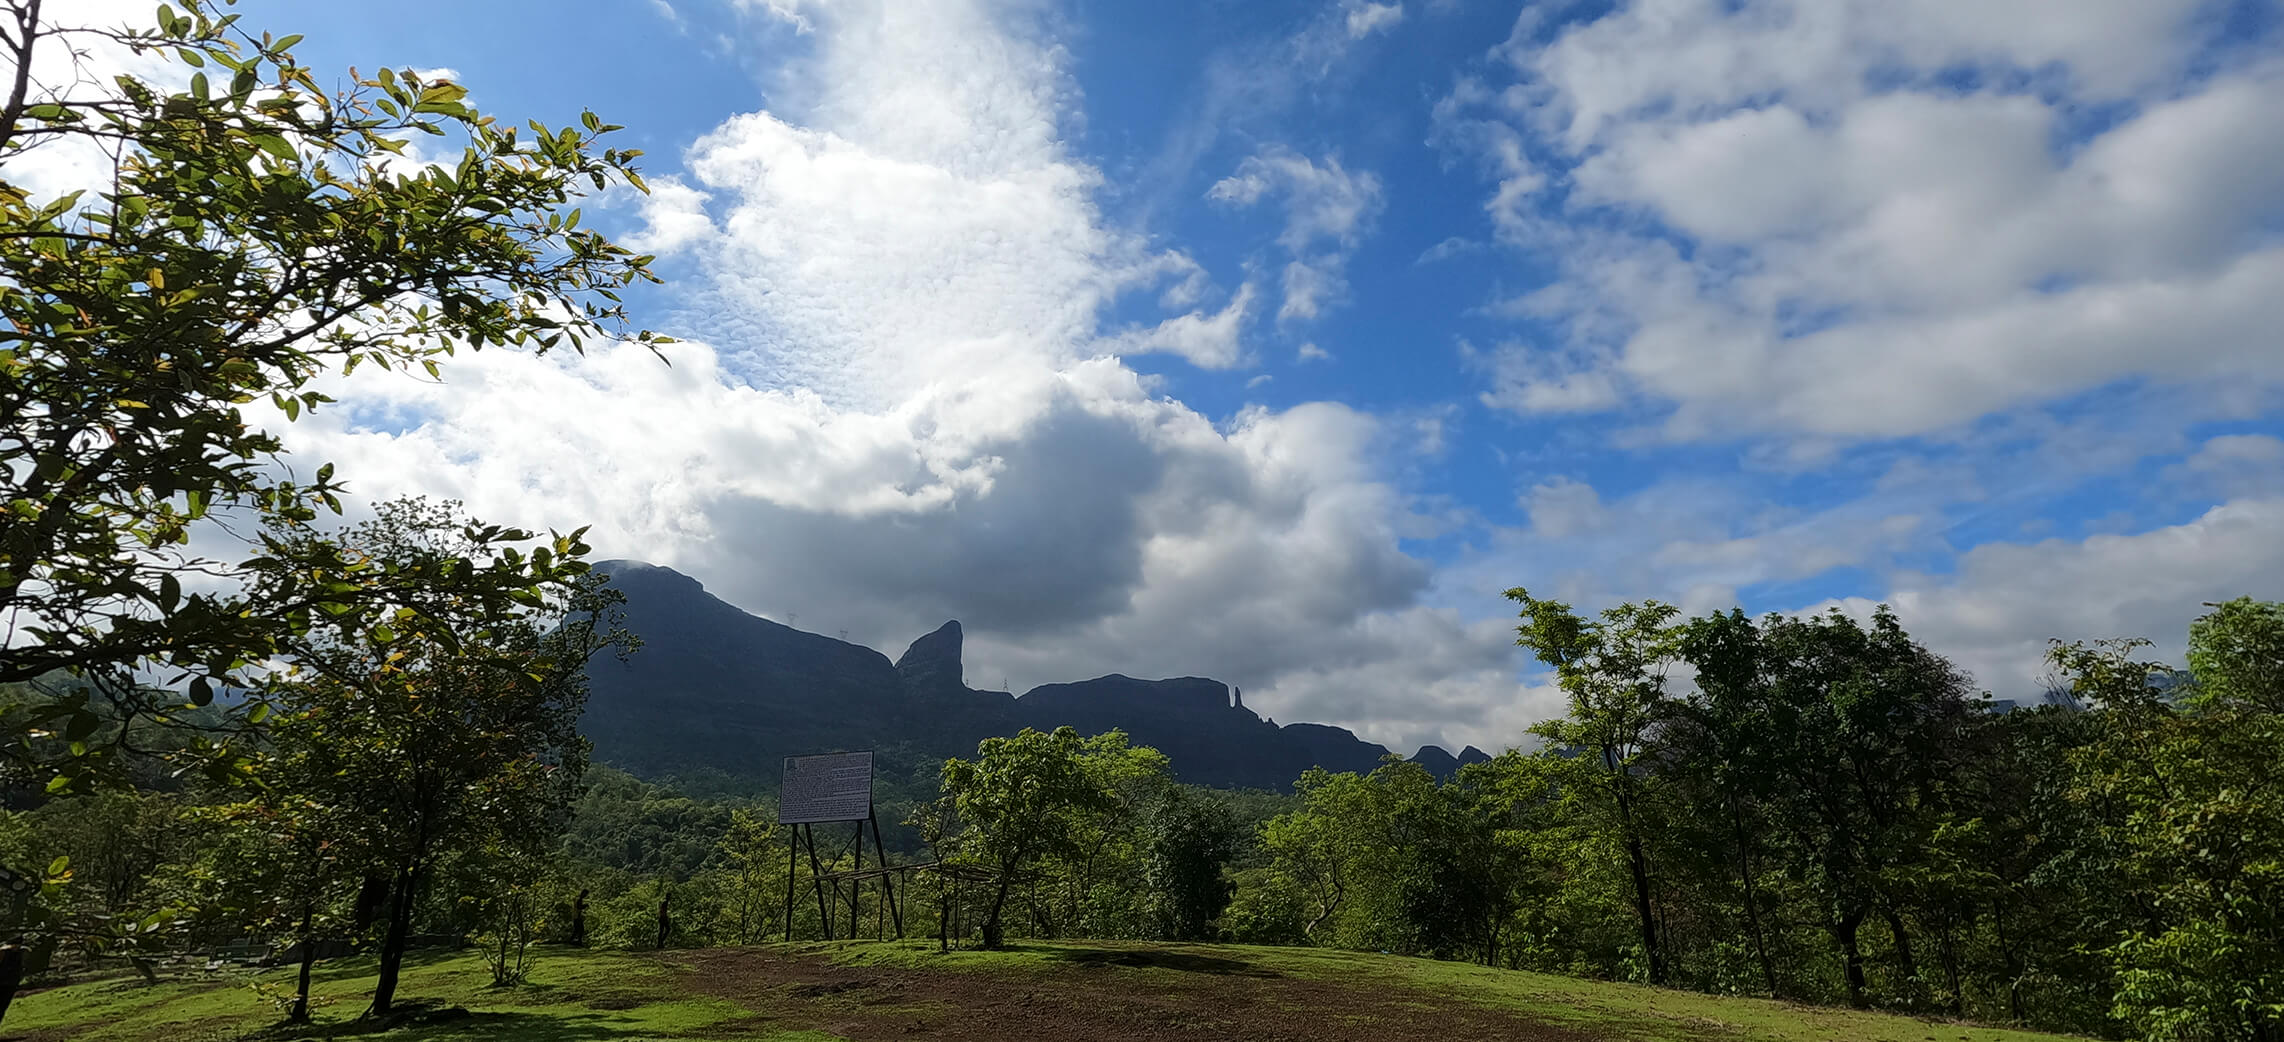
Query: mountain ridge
[(759, 690)]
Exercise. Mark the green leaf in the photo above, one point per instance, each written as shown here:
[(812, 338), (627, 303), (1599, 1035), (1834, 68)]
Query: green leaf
[(80, 727)]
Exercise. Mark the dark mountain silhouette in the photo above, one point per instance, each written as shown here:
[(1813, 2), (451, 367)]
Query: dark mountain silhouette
[(715, 688), (1444, 765)]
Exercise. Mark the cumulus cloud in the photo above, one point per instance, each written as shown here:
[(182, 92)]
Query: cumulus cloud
[(1996, 613), (1810, 229), (897, 404), (1697, 542), (674, 217), (1208, 341), (2232, 466)]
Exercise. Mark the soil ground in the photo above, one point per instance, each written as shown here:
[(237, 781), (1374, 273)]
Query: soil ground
[(1101, 994)]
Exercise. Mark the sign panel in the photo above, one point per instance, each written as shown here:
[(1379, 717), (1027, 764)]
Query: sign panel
[(826, 787)]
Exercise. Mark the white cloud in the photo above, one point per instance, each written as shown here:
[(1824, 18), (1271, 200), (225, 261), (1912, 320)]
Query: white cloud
[(787, 11), (674, 217), (1208, 341), (2233, 466), (1310, 352), (1781, 219), (1247, 84), (1694, 57), (897, 404), (1996, 614), (1455, 246), (1364, 19), (1327, 211)]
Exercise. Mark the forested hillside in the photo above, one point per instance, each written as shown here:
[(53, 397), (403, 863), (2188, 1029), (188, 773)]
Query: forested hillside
[(714, 689)]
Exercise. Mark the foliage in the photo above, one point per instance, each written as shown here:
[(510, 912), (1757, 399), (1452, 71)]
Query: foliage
[(422, 752), (1613, 671), (1188, 844), (252, 231), (1037, 796), (2181, 788)]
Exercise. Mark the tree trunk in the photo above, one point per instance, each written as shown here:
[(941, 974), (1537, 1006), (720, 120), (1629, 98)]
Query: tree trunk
[(1851, 956), (1947, 949), (2013, 959), (1309, 931), (1639, 864), (393, 943), (1642, 906), (1904, 957), (500, 974), (11, 975), (300, 1012), (1752, 897), (992, 932)]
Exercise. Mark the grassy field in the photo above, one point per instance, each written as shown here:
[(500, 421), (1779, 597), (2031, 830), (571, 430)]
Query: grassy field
[(1081, 990)]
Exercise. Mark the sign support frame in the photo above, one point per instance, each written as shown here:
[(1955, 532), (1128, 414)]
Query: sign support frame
[(815, 803)]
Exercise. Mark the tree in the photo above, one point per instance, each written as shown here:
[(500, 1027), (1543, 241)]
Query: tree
[(1320, 846), (282, 866), (1863, 723), (1100, 873), (249, 232), (1021, 799), (1613, 670), (425, 750), (1189, 841), (2182, 788), (1726, 751)]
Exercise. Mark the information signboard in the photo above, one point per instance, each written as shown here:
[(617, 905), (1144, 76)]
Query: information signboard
[(826, 787)]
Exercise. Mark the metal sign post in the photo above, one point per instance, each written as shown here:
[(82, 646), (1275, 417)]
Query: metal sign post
[(825, 788)]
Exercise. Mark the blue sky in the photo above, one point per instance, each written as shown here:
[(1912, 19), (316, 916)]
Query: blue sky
[(1270, 341)]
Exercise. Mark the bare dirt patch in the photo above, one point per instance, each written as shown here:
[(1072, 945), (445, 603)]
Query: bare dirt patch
[(1101, 995)]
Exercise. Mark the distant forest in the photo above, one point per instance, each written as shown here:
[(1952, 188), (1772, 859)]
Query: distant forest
[(1824, 811)]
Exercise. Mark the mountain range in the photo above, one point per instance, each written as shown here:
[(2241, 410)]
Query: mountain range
[(715, 688)]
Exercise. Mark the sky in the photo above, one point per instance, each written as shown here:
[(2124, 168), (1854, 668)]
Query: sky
[(1272, 341)]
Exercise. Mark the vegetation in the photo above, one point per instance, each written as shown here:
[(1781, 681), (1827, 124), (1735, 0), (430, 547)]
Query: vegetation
[(1828, 815), (249, 232), (363, 738)]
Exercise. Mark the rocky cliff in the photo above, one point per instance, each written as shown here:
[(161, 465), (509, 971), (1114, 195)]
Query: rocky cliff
[(715, 688)]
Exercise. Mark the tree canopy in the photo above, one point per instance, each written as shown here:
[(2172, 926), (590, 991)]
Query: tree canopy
[(247, 230)]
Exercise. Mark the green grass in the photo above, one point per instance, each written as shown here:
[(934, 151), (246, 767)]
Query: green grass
[(582, 996), (1637, 1011), (617, 997)]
